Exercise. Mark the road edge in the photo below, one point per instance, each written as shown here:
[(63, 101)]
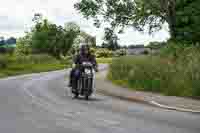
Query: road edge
[(144, 101)]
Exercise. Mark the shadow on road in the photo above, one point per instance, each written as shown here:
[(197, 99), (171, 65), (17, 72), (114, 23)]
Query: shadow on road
[(92, 99)]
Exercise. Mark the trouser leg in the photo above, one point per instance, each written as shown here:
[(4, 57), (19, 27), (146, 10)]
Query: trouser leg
[(70, 77)]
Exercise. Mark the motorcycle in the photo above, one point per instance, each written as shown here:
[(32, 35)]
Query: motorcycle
[(84, 85)]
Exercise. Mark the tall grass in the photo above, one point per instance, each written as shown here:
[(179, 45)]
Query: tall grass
[(35, 59), (104, 60), (3, 61), (170, 75), (15, 65)]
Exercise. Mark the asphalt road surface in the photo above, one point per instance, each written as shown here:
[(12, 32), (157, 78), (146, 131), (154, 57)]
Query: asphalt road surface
[(42, 103)]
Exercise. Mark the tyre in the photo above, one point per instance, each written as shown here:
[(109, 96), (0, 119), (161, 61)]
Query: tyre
[(86, 97), (76, 95), (74, 88), (89, 86)]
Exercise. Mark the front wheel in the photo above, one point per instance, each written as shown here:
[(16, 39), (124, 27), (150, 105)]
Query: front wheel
[(86, 97), (76, 95)]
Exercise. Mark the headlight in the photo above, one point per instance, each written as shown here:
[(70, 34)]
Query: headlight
[(87, 71)]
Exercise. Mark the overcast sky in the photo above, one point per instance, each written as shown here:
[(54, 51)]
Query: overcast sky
[(16, 16)]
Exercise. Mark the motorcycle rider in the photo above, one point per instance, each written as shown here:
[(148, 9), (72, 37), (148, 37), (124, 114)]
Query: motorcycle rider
[(83, 56)]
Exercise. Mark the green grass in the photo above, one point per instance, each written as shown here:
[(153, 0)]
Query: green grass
[(29, 68), (104, 60), (29, 64), (178, 76)]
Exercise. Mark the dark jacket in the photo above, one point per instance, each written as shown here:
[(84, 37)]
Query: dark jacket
[(85, 58)]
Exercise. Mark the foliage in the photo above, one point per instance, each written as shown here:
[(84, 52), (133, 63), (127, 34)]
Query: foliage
[(23, 45), (8, 41), (52, 39), (182, 16), (3, 61), (156, 45), (170, 75), (66, 60), (188, 20), (18, 69), (15, 65), (88, 39), (138, 13), (7, 50), (110, 40), (93, 50), (105, 53), (46, 37), (120, 52), (35, 59)]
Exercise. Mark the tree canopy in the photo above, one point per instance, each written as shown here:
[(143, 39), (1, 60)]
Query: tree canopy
[(182, 16), (46, 37)]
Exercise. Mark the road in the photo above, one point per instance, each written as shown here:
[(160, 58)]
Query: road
[(41, 103)]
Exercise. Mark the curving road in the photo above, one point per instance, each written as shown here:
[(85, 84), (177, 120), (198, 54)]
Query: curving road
[(41, 103)]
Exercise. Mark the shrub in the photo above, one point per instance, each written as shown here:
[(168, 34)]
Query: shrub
[(66, 60), (103, 53), (3, 61), (145, 52), (93, 50), (120, 52)]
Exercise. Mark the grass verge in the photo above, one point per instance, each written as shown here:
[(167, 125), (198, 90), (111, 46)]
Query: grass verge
[(24, 65), (177, 76), (104, 60)]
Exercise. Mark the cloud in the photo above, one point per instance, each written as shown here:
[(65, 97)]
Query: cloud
[(16, 17)]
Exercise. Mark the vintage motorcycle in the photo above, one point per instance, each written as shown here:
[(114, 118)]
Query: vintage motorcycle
[(84, 85)]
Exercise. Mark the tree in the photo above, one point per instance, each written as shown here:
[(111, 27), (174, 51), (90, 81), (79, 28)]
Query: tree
[(72, 26), (182, 16), (52, 39), (11, 40), (137, 13), (90, 40), (23, 45), (188, 20), (156, 45), (2, 40), (111, 40), (49, 38)]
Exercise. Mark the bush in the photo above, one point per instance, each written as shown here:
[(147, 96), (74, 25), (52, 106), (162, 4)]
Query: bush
[(120, 52), (103, 53), (66, 60), (3, 61), (177, 74)]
